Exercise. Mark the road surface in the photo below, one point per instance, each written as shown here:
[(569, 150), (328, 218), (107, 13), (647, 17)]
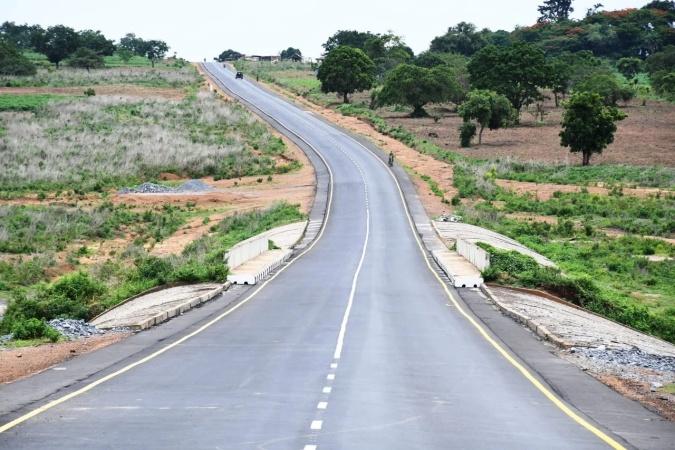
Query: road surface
[(356, 345)]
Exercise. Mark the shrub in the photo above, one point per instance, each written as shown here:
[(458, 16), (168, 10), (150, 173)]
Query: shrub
[(466, 132), (33, 329), (90, 92)]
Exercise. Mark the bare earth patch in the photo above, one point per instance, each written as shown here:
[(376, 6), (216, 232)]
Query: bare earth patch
[(22, 362), (645, 137)]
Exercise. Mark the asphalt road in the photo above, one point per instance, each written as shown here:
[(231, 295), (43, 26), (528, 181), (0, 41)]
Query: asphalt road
[(354, 346)]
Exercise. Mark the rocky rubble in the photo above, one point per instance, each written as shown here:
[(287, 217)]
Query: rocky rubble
[(632, 357), (74, 329), (190, 186)]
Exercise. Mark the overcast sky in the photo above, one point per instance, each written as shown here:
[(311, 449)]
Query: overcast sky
[(199, 29)]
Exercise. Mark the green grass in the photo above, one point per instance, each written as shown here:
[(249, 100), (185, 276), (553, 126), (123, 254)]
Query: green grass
[(86, 294), (609, 174), (26, 102), (33, 229)]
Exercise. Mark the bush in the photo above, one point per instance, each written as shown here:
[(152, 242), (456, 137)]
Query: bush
[(33, 329), (14, 63), (466, 132), (90, 92)]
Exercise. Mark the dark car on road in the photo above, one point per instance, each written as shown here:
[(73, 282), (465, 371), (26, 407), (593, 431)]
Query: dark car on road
[(239, 75)]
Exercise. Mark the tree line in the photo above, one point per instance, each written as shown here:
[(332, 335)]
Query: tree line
[(492, 76), (83, 48)]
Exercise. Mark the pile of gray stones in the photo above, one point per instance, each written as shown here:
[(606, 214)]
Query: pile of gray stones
[(627, 357), (190, 186)]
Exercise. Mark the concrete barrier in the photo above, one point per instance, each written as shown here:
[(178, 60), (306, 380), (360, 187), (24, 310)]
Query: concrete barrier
[(473, 253), (245, 250)]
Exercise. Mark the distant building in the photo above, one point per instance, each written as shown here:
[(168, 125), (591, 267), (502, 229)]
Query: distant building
[(273, 58)]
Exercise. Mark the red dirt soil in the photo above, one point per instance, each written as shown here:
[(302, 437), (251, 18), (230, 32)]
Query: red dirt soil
[(645, 137), (22, 362)]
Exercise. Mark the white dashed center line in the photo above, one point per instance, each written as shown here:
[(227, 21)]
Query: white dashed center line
[(316, 425), (327, 389), (322, 405)]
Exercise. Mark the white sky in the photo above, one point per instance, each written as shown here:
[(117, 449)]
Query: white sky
[(199, 29)]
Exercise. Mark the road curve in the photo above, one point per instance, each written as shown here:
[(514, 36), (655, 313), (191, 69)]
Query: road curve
[(354, 346)]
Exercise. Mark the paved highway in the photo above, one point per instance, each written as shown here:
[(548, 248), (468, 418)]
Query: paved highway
[(356, 345)]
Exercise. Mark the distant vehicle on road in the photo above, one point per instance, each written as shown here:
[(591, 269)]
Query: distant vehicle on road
[(239, 75)]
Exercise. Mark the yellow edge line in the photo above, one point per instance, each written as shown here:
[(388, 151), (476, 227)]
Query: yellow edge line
[(526, 373), (108, 377)]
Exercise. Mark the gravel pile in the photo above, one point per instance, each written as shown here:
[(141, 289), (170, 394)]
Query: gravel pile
[(190, 186), (631, 357), (74, 329)]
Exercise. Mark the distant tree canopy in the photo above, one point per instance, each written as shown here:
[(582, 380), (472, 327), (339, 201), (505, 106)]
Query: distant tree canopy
[(488, 108), (555, 10), (59, 42), (516, 72), (85, 58), (629, 67), (607, 87), (96, 42), (416, 86), (346, 70), (349, 38), (292, 54), (588, 124), (155, 50), (462, 38), (22, 37), (229, 55), (12, 62), (152, 49)]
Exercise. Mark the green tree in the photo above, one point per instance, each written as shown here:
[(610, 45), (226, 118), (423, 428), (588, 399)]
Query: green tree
[(560, 76), (229, 55), (85, 58), (132, 43), (350, 38), (124, 54), (416, 86), (59, 43), (555, 10), (629, 67), (291, 53), (517, 71), (462, 38), (96, 41), (664, 84), (606, 86), (346, 70), (12, 62), (488, 108), (155, 50), (588, 124)]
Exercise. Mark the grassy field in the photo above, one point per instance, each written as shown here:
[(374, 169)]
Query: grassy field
[(112, 141), (70, 244), (84, 294), (160, 76)]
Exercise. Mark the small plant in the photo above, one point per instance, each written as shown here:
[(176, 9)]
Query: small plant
[(456, 200), (33, 329), (90, 92), (466, 132)]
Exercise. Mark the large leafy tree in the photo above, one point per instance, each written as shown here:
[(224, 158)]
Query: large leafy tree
[(517, 71), (629, 67), (346, 70), (85, 58), (59, 43), (97, 42), (462, 38), (291, 53), (606, 86), (12, 62), (229, 55), (350, 38), (588, 124), (488, 108), (416, 86), (155, 50), (23, 37), (555, 10)]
